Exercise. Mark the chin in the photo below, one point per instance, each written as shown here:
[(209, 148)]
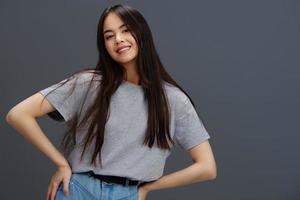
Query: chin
[(126, 60), (123, 62)]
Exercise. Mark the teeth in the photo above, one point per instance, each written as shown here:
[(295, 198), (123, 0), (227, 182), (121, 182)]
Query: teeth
[(124, 49)]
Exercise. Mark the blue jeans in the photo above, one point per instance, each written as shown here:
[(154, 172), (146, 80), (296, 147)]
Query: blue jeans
[(84, 186)]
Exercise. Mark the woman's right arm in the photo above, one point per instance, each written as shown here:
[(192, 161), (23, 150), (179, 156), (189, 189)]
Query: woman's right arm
[(23, 116)]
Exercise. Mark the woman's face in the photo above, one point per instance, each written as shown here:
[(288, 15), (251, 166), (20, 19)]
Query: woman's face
[(119, 42)]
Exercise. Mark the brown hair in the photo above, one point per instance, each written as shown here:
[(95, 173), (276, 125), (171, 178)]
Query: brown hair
[(152, 76)]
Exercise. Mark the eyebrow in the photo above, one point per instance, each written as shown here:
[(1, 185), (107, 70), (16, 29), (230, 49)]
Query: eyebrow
[(109, 30)]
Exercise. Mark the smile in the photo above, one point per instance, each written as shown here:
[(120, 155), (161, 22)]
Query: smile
[(123, 50)]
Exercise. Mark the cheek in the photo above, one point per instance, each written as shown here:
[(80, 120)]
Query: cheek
[(109, 48), (136, 49), (132, 41)]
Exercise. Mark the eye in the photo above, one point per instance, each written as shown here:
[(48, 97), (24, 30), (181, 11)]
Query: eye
[(125, 30), (108, 37)]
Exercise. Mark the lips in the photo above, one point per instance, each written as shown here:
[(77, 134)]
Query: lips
[(122, 48)]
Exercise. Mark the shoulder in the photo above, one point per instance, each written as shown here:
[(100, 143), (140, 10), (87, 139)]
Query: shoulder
[(175, 94), (85, 76), (178, 99)]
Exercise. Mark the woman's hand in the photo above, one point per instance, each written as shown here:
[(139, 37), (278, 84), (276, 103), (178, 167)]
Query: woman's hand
[(142, 192), (62, 174)]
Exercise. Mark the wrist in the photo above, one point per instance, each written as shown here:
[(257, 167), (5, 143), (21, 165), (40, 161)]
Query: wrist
[(63, 164), (149, 186)]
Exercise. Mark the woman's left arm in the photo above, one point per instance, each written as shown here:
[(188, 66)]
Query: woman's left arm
[(203, 168)]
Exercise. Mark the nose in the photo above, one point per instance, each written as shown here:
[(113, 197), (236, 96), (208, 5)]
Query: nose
[(118, 38)]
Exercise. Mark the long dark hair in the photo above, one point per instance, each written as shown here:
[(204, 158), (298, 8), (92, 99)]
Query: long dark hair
[(152, 77)]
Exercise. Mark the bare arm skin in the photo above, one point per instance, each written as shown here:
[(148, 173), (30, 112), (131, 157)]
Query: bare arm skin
[(23, 116), (202, 169)]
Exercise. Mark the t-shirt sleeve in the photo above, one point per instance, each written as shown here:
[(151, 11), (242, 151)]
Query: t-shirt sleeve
[(67, 97), (189, 129)]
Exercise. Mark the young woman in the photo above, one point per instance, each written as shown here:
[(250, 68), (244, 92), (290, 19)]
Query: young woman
[(123, 116)]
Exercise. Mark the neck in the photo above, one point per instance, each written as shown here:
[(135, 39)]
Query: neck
[(131, 73)]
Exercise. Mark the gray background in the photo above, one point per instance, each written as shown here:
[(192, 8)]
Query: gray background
[(237, 59)]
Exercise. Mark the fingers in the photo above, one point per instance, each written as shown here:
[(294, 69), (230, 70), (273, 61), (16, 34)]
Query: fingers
[(48, 193), (66, 187), (53, 191)]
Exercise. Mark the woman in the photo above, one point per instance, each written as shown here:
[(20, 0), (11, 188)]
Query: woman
[(123, 118)]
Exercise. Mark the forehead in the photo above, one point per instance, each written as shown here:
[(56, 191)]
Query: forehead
[(112, 22)]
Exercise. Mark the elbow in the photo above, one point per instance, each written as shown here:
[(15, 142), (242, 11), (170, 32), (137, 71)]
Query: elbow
[(11, 116), (8, 117), (212, 173), (207, 172), (16, 114)]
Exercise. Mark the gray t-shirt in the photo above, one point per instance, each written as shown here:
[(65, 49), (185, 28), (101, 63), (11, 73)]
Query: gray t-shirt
[(122, 152)]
